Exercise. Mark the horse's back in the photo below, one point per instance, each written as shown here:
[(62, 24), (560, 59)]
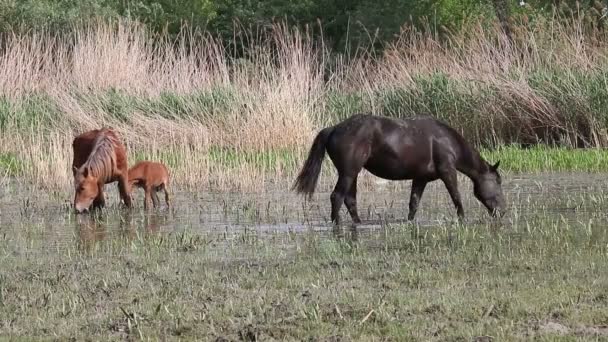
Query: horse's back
[(367, 126), (84, 144), (373, 129), (392, 148), (150, 172)]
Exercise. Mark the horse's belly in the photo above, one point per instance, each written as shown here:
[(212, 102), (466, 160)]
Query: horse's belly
[(400, 169), (392, 170)]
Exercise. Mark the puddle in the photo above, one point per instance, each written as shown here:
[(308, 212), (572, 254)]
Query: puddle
[(46, 223)]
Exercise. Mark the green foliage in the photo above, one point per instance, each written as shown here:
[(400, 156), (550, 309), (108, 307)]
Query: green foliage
[(54, 15), (345, 24), (170, 15)]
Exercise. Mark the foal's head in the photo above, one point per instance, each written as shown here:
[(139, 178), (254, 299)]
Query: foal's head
[(488, 190), (86, 188)]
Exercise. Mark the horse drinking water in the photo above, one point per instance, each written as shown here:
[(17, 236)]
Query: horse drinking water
[(99, 158), (421, 149)]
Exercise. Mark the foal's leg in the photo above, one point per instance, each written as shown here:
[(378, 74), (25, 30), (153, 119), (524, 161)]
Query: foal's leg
[(166, 194), (124, 189), (415, 197), (338, 195), (147, 196), (450, 178), (155, 200), (351, 201)]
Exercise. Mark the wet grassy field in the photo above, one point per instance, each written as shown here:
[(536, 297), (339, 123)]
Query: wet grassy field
[(220, 266), (239, 256)]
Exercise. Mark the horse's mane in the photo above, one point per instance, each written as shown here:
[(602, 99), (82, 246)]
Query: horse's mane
[(102, 159), (471, 155)]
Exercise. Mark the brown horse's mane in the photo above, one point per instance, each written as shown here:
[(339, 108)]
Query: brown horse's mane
[(102, 159)]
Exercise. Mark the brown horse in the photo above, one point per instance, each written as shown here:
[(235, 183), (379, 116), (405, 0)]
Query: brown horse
[(421, 149), (99, 158), (152, 177)]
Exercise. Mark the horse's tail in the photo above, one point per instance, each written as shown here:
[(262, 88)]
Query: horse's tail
[(307, 179)]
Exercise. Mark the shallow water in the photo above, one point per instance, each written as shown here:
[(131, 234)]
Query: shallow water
[(45, 223)]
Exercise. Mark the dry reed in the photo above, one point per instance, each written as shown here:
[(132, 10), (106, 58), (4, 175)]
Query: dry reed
[(183, 101)]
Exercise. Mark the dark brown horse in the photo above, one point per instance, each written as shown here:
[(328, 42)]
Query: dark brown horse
[(99, 158), (421, 149)]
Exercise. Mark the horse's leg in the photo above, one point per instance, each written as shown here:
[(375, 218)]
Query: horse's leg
[(415, 196), (450, 178), (124, 189), (338, 195), (99, 201), (348, 161), (351, 201)]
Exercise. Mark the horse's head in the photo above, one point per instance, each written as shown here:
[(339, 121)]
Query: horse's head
[(488, 190), (86, 188)]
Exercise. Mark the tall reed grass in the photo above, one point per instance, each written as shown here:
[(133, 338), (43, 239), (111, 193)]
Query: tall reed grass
[(242, 123)]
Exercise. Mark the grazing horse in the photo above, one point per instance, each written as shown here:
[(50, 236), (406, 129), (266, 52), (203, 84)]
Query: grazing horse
[(152, 177), (421, 149), (99, 158)]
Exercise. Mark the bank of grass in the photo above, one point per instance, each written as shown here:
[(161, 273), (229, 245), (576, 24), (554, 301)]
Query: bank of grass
[(540, 277), (513, 159)]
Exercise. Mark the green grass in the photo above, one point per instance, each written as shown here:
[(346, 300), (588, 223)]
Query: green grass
[(267, 159), (226, 158), (10, 164), (513, 159)]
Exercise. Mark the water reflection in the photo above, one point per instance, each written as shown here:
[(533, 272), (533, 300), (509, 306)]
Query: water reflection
[(348, 234), (95, 228), (90, 229)]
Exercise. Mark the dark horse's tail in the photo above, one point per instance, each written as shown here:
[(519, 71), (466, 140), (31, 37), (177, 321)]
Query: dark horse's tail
[(307, 179)]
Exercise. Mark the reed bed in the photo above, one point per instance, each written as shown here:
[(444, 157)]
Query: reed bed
[(230, 123)]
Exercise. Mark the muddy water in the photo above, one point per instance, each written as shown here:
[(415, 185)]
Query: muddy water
[(44, 222)]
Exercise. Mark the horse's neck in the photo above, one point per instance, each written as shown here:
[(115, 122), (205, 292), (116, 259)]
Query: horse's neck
[(96, 160), (473, 166)]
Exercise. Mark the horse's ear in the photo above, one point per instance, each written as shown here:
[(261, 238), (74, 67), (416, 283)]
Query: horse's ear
[(495, 166), (85, 172)]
